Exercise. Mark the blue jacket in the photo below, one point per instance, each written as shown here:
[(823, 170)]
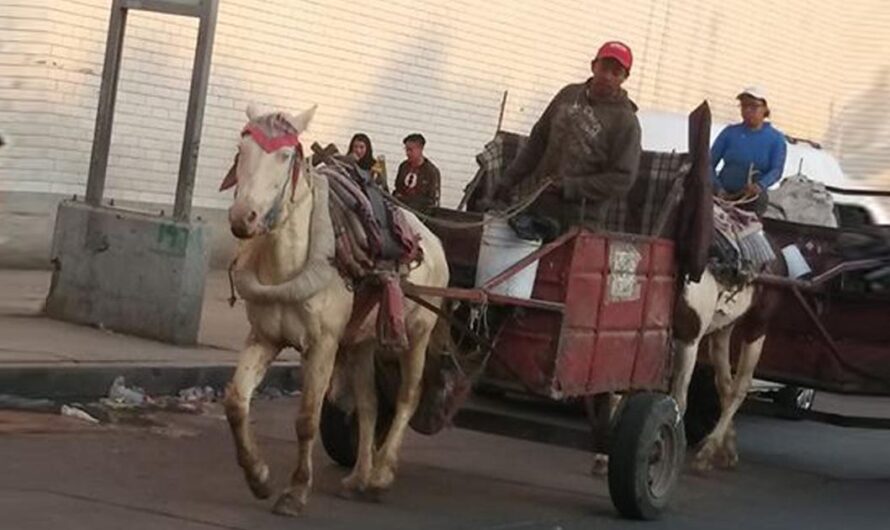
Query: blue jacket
[(739, 147)]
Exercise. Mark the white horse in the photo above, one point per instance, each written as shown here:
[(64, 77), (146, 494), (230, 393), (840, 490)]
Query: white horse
[(709, 309), (295, 297)]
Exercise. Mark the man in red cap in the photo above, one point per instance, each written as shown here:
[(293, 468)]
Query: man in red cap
[(587, 143)]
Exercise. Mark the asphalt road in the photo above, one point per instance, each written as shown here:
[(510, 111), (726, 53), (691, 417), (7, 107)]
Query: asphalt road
[(57, 473)]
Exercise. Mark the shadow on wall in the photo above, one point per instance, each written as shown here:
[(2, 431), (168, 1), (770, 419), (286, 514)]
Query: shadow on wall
[(859, 134)]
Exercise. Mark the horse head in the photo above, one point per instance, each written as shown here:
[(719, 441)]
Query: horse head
[(266, 171)]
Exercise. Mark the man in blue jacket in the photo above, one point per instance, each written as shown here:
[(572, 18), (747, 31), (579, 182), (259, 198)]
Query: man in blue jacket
[(752, 152)]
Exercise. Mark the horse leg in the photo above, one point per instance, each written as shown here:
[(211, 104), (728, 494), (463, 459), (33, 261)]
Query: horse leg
[(684, 364), (693, 315), (252, 365), (748, 360), (719, 354), (720, 360), (318, 365), (361, 372), (600, 410), (411, 368)]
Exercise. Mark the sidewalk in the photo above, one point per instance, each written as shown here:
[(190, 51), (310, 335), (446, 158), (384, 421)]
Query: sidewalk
[(49, 358)]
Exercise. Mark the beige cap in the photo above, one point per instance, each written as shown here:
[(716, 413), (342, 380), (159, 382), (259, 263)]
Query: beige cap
[(756, 92)]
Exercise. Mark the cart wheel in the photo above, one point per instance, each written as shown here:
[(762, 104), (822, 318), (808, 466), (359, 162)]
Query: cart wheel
[(339, 434), (339, 431), (703, 405), (646, 455)]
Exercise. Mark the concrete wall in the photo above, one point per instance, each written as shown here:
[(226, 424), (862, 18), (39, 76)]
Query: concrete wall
[(27, 221), (133, 273)]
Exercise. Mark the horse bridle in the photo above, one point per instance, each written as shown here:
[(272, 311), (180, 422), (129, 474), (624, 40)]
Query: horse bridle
[(270, 145)]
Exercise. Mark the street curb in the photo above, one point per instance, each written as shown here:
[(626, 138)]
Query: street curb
[(88, 382)]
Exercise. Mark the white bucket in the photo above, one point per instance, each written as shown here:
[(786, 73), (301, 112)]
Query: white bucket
[(500, 249), (797, 264)]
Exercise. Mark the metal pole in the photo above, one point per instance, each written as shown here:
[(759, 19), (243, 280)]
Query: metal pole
[(188, 161), (501, 114), (107, 95)]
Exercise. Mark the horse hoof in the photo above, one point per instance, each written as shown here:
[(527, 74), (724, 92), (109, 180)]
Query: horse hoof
[(347, 493), (381, 479), (355, 483), (259, 483), (702, 466), (286, 506), (729, 461), (600, 467), (702, 463)]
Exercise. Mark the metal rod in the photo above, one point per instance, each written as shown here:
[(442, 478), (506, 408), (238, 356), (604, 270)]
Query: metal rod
[(482, 341), (501, 114), (837, 270), (814, 318), (114, 44), (188, 162), (478, 296), (845, 191)]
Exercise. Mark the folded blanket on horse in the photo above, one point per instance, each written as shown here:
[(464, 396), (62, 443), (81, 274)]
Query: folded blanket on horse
[(374, 227), (740, 249), (373, 241)]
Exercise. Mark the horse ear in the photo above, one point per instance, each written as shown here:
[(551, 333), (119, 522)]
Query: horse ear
[(301, 121), (231, 177), (252, 111)]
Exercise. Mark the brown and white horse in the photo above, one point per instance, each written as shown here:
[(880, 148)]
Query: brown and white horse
[(295, 297), (711, 310)]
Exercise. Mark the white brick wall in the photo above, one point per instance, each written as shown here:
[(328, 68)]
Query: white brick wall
[(393, 67)]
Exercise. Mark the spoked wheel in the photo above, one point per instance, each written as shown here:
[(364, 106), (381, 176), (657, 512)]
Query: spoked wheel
[(646, 455), (339, 431)]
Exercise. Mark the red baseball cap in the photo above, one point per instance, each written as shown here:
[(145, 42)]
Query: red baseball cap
[(618, 51)]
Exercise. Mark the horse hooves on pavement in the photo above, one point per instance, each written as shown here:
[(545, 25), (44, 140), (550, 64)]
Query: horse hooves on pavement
[(702, 464), (287, 506), (259, 483)]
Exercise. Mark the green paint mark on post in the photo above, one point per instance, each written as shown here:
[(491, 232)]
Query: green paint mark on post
[(173, 239)]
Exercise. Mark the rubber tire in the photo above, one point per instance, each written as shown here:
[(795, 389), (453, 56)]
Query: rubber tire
[(640, 419), (339, 431), (702, 405), (339, 434)]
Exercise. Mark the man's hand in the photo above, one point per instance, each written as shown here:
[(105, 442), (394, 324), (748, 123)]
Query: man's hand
[(752, 190)]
